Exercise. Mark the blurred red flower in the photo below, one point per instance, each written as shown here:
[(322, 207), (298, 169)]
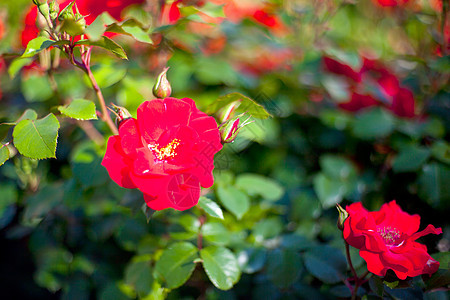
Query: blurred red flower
[(91, 9), (373, 85), (386, 240), (391, 3), (167, 153)]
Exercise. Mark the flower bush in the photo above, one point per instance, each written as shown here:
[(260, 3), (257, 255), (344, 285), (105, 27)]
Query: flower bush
[(239, 127)]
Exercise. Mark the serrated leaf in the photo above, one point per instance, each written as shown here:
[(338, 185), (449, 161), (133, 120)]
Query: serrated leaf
[(107, 44), (374, 123), (37, 138), (210, 207), (37, 45), (246, 105), (221, 266), (98, 27), (4, 154), (257, 185), (28, 114), (234, 200), (176, 264), (17, 65), (79, 109)]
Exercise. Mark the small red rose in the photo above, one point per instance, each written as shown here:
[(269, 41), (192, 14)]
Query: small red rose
[(167, 153), (386, 239)]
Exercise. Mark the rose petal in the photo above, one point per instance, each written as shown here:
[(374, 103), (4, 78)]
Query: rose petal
[(117, 164)]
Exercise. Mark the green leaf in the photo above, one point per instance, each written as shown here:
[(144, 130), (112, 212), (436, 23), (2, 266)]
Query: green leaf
[(98, 27), (375, 123), (326, 263), (17, 65), (39, 205), (176, 264), (79, 109), (252, 260), (221, 266), (106, 43), (37, 45), (139, 275), (410, 159), (234, 200), (439, 279), (28, 114), (246, 105), (441, 151), (257, 185), (328, 190), (33, 94), (131, 28), (216, 233), (210, 207), (284, 267), (267, 228), (444, 260), (4, 154), (433, 185), (37, 138), (337, 167)]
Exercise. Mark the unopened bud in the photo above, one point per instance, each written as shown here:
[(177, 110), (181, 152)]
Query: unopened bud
[(230, 129), (67, 13), (43, 8), (54, 9), (227, 112), (121, 114), (343, 215), (162, 88)]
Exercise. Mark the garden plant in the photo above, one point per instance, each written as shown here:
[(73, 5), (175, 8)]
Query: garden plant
[(224, 149)]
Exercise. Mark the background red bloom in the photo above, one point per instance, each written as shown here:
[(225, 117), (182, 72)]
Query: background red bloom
[(373, 85), (387, 240), (90, 9), (167, 153)]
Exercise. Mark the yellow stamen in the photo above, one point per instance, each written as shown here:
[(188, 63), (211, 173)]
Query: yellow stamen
[(389, 235), (165, 152)]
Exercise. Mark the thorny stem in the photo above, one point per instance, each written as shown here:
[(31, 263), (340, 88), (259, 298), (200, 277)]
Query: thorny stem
[(86, 57)]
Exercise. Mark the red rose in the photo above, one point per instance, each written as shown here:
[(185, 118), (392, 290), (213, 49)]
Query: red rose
[(167, 153), (387, 240)]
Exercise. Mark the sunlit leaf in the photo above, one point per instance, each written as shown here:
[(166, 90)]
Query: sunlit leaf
[(210, 207), (221, 266), (37, 138), (79, 109)]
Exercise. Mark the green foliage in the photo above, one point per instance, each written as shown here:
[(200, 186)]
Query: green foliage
[(221, 266), (79, 109), (210, 207), (234, 200), (4, 154), (107, 44), (37, 138), (246, 105), (176, 264)]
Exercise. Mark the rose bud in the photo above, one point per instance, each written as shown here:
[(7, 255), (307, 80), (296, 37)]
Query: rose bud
[(54, 10), (121, 114), (42, 7), (162, 88), (343, 215), (230, 129), (227, 112)]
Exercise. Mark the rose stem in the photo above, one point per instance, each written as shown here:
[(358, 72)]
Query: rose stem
[(86, 57), (349, 259)]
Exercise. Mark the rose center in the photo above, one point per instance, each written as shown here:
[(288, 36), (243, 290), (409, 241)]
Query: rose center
[(166, 152), (390, 235)]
